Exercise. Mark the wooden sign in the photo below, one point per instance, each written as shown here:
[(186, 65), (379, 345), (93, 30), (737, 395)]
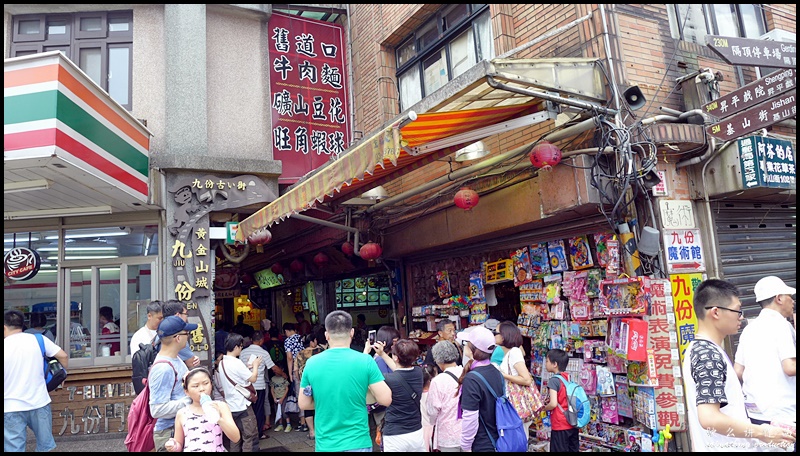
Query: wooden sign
[(759, 116), (753, 52), (750, 95)]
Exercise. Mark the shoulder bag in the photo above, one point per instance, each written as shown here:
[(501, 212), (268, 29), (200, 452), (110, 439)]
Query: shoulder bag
[(249, 391), (526, 399), (54, 372)]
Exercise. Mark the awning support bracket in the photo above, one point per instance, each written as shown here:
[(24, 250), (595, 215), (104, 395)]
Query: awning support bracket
[(337, 226)]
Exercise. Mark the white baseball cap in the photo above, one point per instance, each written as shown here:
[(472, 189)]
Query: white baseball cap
[(771, 286)]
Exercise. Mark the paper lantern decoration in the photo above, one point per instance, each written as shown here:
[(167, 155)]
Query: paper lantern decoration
[(297, 266), (466, 198), (260, 237), (347, 249), (370, 251), (277, 268), (545, 155), (321, 259)]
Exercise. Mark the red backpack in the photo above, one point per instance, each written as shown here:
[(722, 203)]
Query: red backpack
[(140, 422)]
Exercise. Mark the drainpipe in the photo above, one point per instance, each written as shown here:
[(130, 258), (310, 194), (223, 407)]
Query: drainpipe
[(692, 161), (350, 76), (612, 73), (550, 97), (331, 225), (711, 231), (573, 130)]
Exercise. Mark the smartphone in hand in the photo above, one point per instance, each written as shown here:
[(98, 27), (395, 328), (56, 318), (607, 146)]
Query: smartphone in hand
[(371, 337), (251, 360)]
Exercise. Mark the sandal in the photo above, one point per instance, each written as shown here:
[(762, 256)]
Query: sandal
[(311, 437)]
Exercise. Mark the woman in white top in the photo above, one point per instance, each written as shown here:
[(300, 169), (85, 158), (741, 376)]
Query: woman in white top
[(513, 368)]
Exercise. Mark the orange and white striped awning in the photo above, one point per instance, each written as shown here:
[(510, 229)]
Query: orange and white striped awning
[(382, 157)]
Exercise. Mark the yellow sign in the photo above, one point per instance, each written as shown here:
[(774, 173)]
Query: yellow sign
[(683, 286), (499, 271)]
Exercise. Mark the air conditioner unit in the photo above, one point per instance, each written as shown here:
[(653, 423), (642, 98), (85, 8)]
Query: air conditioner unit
[(775, 35)]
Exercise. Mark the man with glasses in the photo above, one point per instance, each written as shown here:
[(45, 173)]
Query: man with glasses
[(716, 407), (766, 359), (166, 391), (447, 331), (175, 307)]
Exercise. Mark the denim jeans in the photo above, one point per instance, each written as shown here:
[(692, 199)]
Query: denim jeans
[(15, 429)]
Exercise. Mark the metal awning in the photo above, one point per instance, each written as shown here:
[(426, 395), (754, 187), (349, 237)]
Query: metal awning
[(69, 148), (492, 97)]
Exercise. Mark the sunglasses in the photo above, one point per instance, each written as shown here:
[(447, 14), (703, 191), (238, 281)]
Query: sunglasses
[(181, 334)]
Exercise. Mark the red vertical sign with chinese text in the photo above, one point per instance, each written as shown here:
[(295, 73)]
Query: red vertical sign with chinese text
[(670, 404), (308, 90)]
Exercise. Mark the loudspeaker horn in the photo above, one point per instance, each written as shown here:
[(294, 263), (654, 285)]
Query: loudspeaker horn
[(634, 97)]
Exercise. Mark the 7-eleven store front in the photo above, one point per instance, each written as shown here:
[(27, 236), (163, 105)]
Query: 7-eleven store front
[(79, 207)]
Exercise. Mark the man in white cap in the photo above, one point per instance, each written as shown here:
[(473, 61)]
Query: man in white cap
[(766, 357)]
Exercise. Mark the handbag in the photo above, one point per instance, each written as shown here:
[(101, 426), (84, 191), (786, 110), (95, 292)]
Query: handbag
[(291, 404), (54, 372), (526, 399), (248, 391)]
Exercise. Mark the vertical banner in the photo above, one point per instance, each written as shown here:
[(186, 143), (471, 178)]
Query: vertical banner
[(683, 286), (671, 408), (308, 89)]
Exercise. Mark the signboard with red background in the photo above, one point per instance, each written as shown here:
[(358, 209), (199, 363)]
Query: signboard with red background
[(308, 89)]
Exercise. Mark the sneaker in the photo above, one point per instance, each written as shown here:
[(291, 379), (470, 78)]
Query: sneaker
[(279, 428), (304, 428), (288, 428)]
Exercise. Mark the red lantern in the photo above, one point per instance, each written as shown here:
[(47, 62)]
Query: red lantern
[(545, 155), (347, 249), (260, 237), (370, 251), (466, 198), (277, 268), (297, 266), (320, 259)]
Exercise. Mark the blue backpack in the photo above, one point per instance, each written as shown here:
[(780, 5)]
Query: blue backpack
[(510, 429), (579, 410)]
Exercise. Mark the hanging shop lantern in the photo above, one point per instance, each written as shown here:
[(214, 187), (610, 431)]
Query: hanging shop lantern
[(466, 198), (297, 266), (370, 251), (347, 249), (260, 237), (321, 259), (545, 155), (277, 268)]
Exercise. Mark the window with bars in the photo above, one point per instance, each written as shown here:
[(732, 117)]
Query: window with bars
[(444, 47), (692, 22), (100, 43)]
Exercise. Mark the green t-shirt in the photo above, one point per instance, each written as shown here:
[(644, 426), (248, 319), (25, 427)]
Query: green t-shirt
[(339, 378), (497, 355)]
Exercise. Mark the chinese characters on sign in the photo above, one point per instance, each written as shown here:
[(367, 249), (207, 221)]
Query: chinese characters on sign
[(762, 115), (664, 344), (684, 251), (676, 213), (767, 162), (683, 286), (753, 52), (752, 94), (308, 93)]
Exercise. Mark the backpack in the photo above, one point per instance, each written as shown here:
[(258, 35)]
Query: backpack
[(140, 422), (54, 372), (510, 429), (141, 362), (579, 410)]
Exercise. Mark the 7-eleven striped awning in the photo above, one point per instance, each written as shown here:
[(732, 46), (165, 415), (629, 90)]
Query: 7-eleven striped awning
[(381, 157), (54, 113)]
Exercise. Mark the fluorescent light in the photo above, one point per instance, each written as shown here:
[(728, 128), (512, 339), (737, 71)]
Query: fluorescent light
[(61, 212), (93, 233), (78, 249), (21, 238), (83, 257), (36, 184)]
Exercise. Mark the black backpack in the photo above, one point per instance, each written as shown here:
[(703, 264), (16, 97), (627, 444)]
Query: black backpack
[(141, 362)]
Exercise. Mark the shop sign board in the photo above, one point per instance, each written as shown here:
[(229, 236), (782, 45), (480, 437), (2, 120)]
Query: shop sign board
[(664, 344), (268, 279), (308, 89), (231, 228), (683, 286), (753, 52), (684, 251), (660, 189), (750, 95), (21, 263), (767, 162), (762, 115)]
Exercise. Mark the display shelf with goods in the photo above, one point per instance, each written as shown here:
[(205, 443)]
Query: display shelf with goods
[(619, 332)]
